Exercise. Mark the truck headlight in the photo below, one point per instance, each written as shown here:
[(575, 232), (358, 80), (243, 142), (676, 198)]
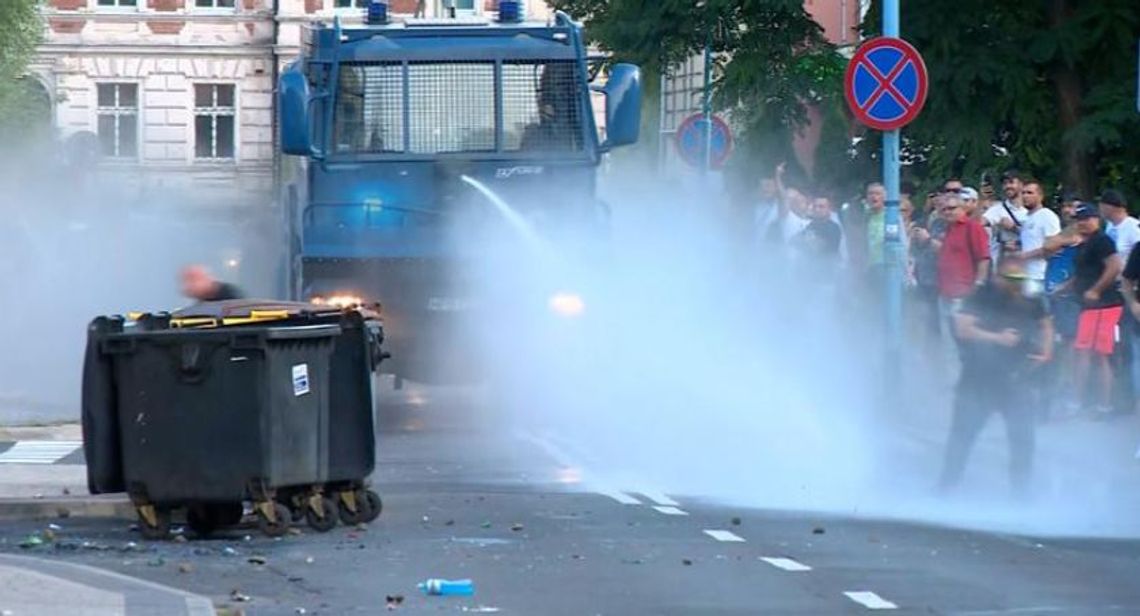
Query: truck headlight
[(569, 305)]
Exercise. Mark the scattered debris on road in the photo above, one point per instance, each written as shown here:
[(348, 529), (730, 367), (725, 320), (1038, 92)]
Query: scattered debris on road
[(736, 521), (185, 568), (257, 560), (818, 530), (237, 597), (688, 562), (516, 527), (394, 601)]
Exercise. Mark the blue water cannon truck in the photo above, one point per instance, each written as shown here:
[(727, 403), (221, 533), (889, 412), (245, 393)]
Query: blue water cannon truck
[(386, 124)]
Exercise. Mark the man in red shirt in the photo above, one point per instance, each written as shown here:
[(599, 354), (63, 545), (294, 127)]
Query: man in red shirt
[(963, 260)]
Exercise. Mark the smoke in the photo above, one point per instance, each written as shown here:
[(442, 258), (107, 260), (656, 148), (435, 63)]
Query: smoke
[(75, 247), (700, 365)]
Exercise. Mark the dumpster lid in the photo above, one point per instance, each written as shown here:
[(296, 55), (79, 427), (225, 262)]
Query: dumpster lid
[(247, 311)]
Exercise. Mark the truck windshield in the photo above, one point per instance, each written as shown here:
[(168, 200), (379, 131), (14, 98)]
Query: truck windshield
[(438, 108)]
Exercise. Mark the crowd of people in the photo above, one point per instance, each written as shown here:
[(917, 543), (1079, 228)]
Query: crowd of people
[(1026, 299)]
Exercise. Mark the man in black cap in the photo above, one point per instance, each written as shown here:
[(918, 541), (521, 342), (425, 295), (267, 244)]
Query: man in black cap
[(1096, 268)]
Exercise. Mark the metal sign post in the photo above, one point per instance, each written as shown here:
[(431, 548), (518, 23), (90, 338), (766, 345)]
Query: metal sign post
[(892, 240), (885, 86)]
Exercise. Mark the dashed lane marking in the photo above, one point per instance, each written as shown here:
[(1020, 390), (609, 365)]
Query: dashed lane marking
[(660, 499), (786, 564), (39, 452), (724, 535), (870, 600), (670, 511)]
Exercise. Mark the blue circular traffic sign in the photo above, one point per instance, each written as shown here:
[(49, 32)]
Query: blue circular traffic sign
[(886, 83), (691, 141)]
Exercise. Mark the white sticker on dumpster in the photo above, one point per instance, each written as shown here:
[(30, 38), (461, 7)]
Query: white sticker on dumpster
[(300, 379)]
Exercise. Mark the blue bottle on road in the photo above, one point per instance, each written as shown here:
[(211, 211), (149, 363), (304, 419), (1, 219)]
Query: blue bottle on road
[(440, 587)]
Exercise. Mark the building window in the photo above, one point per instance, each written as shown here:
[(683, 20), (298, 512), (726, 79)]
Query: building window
[(118, 111), (214, 117), (214, 4), (350, 4), (120, 3)]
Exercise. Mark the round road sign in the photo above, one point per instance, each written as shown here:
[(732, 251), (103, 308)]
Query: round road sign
[(886, 83), (691, 141)]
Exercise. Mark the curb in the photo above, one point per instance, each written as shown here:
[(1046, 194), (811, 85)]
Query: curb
[(89, 507)]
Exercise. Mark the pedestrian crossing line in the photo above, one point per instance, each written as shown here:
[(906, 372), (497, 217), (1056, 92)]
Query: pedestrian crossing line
[(659, 499), (620, 497), (786, 564), (870, 600), (670, 510), (725, 535), (39, 452)]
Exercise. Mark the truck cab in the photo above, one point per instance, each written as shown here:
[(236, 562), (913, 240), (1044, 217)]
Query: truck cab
[(391, 123)]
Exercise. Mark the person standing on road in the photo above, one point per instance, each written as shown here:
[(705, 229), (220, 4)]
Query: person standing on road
[(1097, 266), (200, 285), (1004, 218), (1038, 227), (926, 242), (1064, 305), (963, 262), (1005, 337), (1122, 228)]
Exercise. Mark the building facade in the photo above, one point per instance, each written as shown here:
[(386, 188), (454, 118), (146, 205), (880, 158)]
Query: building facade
[(177, 96)]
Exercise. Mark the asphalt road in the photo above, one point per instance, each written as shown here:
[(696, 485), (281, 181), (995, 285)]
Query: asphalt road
[(465, 501)]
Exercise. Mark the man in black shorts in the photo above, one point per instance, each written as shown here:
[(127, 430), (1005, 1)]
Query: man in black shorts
[(1005, 336)]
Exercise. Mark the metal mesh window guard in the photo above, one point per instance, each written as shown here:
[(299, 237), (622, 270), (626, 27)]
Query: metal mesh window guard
[(542, 106), (370, 109), (451, 107)]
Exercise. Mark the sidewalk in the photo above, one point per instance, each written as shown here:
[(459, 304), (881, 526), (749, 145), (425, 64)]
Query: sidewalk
[(42, 476), (32, 586)]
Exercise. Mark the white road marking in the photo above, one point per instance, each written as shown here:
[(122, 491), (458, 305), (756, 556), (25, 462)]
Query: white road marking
[(870, 600), (724, 535), (39, 452), (671, 511), (659, 499), (786, 564), (620, 497)]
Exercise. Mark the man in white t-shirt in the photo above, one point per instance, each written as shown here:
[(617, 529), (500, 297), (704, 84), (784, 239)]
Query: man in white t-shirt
[(1122, 228), (1040, 224), (1003, 219)]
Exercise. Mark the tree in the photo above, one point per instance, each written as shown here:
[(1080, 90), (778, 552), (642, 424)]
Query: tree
[(773, 61), (1046, 86), (20, 31)]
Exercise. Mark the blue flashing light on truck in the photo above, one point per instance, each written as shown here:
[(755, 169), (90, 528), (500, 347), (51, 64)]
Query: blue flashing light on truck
[(386, 120)]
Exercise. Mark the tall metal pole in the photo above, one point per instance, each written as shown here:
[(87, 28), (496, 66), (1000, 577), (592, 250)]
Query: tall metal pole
[(707, 104), (892, 241)]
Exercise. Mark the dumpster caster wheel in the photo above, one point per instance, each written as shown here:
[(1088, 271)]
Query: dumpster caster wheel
[(160, 530), (278, 527), (324, 521), (371, 505), (347, 514)]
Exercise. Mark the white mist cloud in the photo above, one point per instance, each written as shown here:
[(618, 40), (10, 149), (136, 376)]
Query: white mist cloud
[(697, 371)]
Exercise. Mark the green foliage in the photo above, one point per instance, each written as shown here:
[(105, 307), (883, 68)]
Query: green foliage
[(773, 61), (20, 32), (998, 78)]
